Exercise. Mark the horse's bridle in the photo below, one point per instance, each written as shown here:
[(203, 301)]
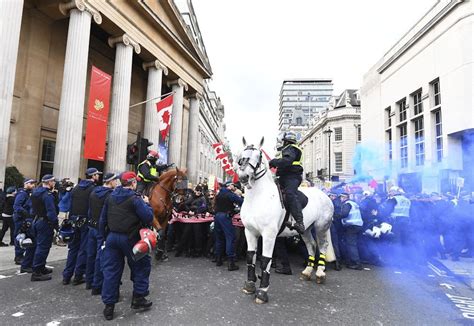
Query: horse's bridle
[(246, 161)]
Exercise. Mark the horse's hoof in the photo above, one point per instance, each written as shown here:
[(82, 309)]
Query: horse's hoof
[(321, 279), (249, 287), (261, 297), (305, 277)]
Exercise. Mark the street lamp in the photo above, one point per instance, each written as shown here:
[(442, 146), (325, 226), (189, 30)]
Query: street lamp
[(329, 131)]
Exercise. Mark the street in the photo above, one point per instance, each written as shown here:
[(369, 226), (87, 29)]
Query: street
[(187, 291)]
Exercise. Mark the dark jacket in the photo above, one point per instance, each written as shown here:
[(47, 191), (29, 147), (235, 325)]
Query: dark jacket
[(285, 165), (100, 192), (48, 201), (225, 201), (197, 205), (22, 205), (119, 195), (8, 205)]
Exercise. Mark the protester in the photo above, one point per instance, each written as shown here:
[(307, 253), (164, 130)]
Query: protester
[(7, 217)]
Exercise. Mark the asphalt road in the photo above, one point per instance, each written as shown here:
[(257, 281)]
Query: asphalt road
[(193, 291)]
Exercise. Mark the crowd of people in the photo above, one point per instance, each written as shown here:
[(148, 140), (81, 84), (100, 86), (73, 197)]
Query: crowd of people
[(100, 220)]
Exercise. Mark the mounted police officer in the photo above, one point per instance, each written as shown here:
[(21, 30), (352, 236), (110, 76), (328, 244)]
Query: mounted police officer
[(77, 253), (22, 222), (351, 220), (96, 203), (123, 215), (290, 170), (45, 222), (149, 171)]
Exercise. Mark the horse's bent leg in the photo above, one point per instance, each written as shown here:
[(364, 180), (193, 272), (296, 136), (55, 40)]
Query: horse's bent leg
[(268, 242), (311, 247), (249, 285), (323, 247)]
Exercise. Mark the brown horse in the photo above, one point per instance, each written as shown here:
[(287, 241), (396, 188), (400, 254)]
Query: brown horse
[(161, 196)]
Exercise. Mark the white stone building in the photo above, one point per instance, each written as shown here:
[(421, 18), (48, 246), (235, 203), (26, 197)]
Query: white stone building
[(342, 117), (417, 103)]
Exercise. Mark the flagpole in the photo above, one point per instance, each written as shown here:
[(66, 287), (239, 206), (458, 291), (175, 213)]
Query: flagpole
[(139, 103)]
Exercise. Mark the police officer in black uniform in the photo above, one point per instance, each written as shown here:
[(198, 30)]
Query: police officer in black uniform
[(77, 253), (45, 222), (290, 170)]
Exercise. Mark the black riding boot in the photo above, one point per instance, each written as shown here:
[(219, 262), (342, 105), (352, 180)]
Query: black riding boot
[(140, 302), (219, 261)]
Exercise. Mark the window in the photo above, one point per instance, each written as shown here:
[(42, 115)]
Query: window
[(389, 117), (403, 146), (419, 142), (359, 133), (417, 103), (338, 134), (47, 157), (436, 93), (389, 144), (402, 109), (338, 161), (439, 135), (299, 121)]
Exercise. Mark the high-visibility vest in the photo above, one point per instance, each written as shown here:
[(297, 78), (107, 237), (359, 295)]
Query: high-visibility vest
[(354, 217), (299, 162), (153, 171), (402, 208)]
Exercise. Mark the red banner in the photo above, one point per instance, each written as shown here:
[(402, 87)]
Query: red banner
[(97, 116)]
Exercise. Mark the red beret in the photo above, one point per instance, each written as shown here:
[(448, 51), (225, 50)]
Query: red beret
[(128, 176)]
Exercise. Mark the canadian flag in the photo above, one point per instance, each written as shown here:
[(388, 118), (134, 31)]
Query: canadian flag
[(225, 163), (219, 149), (164, 108)]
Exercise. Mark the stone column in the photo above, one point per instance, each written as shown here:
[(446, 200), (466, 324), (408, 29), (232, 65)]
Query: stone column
[(119, 108), (10, 24), (193, 138), (174, 150), (67, 156), (155, 74)]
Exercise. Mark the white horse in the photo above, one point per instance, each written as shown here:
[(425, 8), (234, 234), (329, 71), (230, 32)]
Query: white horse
[(262, 215)]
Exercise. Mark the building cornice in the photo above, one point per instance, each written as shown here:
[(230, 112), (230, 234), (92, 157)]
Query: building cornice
[(415, 38)]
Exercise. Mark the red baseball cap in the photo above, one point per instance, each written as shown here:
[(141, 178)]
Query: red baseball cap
[(128, 177)]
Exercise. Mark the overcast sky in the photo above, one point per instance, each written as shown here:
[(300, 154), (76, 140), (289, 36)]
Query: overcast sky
[(253, 45)]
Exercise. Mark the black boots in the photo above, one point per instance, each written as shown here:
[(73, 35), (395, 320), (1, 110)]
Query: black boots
[(140, 302), (232, 266), (109, 311), (219, 261), (37, 276), (286, 270), (46, 270), (96, 291), (299, 227), (78, 280)]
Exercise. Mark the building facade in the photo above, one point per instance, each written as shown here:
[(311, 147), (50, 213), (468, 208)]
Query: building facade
[(301, 100), (148, 47), (417, 103), (334, 134)]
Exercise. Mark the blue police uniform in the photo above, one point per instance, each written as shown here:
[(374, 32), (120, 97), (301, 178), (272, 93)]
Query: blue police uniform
[(77, 253), (45, 221), (97, 199), (223, 228), (21, 214), (352, 225), (123, 214)]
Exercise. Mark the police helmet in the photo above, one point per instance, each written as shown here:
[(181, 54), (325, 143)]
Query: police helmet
[(287, 137), (66, 232)]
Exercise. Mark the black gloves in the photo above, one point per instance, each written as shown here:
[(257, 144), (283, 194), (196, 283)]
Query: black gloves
[(273, 163)]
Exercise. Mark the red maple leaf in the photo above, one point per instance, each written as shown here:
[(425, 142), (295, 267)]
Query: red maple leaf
[(166, 117)]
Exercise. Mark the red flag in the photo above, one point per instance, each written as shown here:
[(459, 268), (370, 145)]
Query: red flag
[(235, 178), (97, 116), (219, 150), (164, 108), (225, 161)]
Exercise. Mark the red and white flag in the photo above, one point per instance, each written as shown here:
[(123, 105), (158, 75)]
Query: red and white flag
[(225, 163), (164, 108), (219, 150)]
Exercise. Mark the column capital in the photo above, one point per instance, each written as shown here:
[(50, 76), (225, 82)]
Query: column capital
[(81, 5), (125, 39), (178, 82), (196, 96), (155, 64)]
